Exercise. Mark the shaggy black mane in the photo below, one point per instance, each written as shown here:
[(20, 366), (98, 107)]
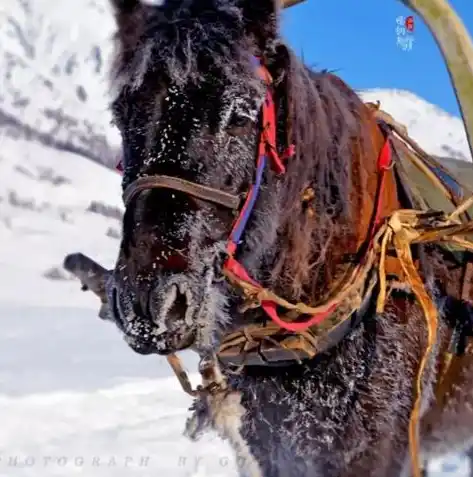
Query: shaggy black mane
[(184, 41)]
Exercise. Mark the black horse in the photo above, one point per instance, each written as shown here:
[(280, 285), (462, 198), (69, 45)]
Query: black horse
[(242, 163)]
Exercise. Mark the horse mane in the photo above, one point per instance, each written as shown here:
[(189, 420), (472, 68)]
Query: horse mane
[(179, 42), (329, 128)]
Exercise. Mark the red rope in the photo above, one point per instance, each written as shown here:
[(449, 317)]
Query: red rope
[(270, 307)]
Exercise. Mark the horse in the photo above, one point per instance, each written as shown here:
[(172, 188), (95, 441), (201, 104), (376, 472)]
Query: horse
[(254, 184)]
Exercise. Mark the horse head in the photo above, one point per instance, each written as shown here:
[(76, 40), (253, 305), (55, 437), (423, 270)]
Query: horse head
[(206, 92)]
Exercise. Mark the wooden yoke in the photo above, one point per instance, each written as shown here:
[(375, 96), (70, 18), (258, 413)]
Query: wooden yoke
[(290, 3), (456, 46)]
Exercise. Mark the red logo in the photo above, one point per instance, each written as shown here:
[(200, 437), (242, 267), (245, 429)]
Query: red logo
[(409, 23)]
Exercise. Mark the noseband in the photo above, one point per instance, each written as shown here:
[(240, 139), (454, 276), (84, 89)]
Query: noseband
[(198, 191)]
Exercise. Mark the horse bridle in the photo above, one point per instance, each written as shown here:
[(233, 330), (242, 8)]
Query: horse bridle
[(267, 153), (198, 191), (267, 149)]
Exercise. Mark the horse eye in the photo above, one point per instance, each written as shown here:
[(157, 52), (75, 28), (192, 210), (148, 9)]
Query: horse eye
[(239, 125)]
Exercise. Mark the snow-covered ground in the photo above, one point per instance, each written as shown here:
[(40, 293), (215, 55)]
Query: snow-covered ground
[(74, 399)]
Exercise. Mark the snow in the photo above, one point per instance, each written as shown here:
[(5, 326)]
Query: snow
[(40, 222), (437, 131), (74, 399), (54, 68)]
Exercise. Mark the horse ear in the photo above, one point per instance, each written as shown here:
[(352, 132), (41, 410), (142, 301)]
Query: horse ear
[(127, 13), (130, 18), (125, 6), (262, 21)]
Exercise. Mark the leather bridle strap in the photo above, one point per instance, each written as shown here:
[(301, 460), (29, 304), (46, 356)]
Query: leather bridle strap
[(208, 194)]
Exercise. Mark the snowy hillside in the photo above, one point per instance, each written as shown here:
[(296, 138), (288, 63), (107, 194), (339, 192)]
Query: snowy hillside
[(73, 398), (51, 203), (54, 63), (438, 132)]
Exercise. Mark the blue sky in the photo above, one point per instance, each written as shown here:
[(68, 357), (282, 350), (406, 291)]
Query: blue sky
[(357, 39)]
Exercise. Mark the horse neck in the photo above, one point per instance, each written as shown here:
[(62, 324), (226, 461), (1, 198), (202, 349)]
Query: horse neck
[(353, 236)]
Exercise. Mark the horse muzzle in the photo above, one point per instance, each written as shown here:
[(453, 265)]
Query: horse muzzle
[(158, 320)]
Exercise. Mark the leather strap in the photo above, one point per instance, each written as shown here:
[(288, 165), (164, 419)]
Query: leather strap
[(269, 345), (208, 194)]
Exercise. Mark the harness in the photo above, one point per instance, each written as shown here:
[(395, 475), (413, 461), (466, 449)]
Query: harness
[(304, 331), (327, 316)]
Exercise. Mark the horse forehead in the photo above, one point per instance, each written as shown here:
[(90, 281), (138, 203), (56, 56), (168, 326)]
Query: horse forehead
[(184, 106)]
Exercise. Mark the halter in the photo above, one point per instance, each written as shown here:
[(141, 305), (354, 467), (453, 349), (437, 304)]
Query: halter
[(267, 154)]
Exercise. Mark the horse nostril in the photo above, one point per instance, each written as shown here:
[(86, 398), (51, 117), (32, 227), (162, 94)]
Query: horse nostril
[(178, 308), (141, 306), (115, 308), (170, 306)]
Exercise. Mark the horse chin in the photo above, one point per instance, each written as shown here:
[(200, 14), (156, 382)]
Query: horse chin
[(179, 340), (172, 312), (164, 343)]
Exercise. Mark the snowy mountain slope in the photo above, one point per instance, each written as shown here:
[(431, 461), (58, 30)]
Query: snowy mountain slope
[(50, 205), (54, 63), (438, 132)]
